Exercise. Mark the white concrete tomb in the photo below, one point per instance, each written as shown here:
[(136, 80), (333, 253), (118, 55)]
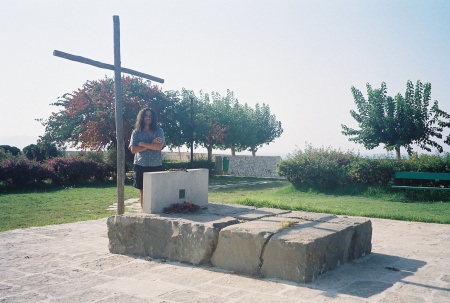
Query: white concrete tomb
[(161, 189)]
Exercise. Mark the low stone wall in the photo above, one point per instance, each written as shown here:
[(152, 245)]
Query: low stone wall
[(271, 243), (249, 166), (239, 166), (182, 156)]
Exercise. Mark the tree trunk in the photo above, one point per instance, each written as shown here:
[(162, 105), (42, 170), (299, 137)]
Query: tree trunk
[(209, 148), (253, 153), (233, 150), (397, 152)]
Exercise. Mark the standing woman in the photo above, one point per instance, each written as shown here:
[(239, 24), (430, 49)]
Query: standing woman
[(147, 141)]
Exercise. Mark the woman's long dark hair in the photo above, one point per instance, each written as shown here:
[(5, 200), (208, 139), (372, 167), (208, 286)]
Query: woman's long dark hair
[(140, 123)]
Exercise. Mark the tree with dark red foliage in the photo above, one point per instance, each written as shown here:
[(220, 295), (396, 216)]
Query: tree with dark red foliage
[(86, 119)]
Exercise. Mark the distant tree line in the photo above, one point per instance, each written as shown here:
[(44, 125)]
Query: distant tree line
[(36, 152), (86, 118)]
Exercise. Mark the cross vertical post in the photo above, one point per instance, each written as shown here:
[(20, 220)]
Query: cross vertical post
[(119, 119), (192, 130), (118, 69)]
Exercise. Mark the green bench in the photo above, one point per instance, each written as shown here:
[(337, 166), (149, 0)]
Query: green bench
[(421, 180)]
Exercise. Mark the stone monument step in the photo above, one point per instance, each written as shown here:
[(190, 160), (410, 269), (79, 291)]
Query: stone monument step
[(264, 242)]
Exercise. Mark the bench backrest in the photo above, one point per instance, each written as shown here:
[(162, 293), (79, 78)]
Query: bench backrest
[(422, 176)]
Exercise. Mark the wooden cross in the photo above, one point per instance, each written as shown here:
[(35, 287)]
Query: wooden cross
[(118, 96)]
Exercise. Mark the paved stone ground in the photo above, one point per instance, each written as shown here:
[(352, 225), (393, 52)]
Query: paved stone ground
[(410, 262)]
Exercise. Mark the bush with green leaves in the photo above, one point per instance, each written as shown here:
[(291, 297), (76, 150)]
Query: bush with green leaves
[(318, 168), (326, 169), (428, 163), (187, 165), (5, 155), (371, 171)]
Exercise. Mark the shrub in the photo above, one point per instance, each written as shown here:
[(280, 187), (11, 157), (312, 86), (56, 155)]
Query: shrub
[(324, 169), (104, 171), (371, 171), (111, 156), (427, 163), (21, 171), (318, 168), (72, 170), (97, 156), (5, 155), (187, 165)]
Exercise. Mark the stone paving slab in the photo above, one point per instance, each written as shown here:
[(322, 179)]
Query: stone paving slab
[(410, 262)]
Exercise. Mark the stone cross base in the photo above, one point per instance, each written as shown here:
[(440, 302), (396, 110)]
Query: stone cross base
[(271, 243), (162, 189)]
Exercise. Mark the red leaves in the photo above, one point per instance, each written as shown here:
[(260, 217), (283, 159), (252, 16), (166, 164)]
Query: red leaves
[(87, 119)]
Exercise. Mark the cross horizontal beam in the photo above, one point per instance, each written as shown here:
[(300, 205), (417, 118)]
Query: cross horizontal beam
[(104, 65)]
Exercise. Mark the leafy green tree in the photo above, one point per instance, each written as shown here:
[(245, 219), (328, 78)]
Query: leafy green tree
[(241, 132), (14, 151), (227, 114), (396, 122), (444, 122), (86, 119), (187, 119), (40, 152), (264, 128), (209, 130), (246, 128)]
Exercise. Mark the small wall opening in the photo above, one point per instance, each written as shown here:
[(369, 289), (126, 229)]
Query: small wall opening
[(181, 194)]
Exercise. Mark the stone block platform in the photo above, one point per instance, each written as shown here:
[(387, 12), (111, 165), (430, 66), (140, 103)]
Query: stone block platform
[(262, 242)]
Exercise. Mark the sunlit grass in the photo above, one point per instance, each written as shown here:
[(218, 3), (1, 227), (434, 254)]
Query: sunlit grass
[(284, 196), (57, 205), (25, 207)]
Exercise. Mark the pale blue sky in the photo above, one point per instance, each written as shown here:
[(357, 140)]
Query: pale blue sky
[(299, 57)]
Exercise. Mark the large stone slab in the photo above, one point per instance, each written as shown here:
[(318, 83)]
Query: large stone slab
[(293, 246), (361, 243), (191, 239), (240, 247), (307, 249)]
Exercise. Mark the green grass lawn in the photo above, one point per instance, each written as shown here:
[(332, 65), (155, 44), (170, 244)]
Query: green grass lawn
[(55, 205), (377, 205)]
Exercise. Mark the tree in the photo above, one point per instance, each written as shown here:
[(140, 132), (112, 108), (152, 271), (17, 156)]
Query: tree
[(86, 119), (40, 152), (264, 128), (246, 128), (208, 128), (227, 114), (14, 151), (209, 135), (444, 123), (87, 116), (188, 119), (397, 122)]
